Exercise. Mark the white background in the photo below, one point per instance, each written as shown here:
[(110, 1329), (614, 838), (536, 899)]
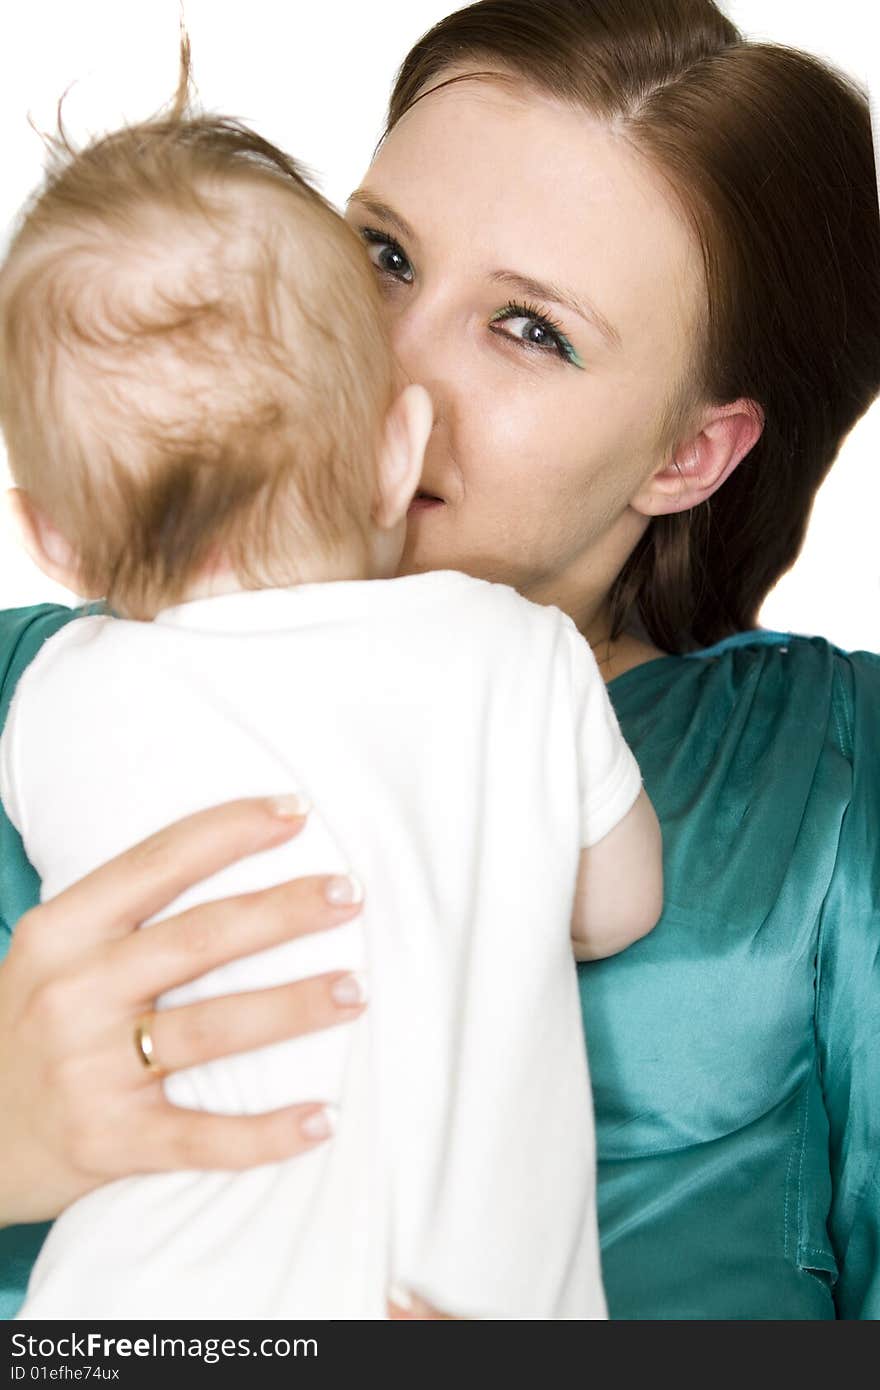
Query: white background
[(315, 79)]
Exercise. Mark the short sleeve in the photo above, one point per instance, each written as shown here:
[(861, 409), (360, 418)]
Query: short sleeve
[(609, 776), (8, 797), (848, 1000), (22, 633)]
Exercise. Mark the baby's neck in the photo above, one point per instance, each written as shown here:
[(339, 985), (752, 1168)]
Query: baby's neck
[(315, 570)]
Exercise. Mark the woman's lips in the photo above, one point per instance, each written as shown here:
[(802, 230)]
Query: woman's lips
[(424, 502)]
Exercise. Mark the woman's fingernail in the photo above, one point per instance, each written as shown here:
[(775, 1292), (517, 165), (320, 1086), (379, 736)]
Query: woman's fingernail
[(401, 1297), (343, 889), (349, 990), (320, 1124), (287, 807)]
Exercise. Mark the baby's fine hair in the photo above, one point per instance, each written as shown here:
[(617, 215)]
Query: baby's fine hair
[(192, 359)]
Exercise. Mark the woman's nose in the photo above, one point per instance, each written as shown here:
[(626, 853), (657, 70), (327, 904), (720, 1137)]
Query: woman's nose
[(423, 352)]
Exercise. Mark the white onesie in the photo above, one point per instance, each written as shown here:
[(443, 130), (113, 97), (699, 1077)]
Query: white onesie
[(459, 748)]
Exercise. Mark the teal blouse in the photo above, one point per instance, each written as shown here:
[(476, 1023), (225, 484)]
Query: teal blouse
[(735, 1051)]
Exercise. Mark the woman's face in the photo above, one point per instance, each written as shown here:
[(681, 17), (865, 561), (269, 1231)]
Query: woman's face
[(550, 397)]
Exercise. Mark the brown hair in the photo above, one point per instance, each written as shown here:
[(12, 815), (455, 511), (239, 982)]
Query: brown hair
[(769, 153), (192, 358)]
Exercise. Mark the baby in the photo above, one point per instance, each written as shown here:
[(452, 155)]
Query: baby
[(201, 416)]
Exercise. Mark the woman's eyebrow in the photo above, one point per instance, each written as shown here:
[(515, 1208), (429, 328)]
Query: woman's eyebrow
[(383, 211), (523, 284)]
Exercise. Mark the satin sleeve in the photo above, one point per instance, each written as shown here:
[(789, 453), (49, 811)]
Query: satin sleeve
[(848, 1001)]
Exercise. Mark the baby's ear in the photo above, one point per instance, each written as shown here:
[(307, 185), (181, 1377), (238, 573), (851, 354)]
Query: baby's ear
[(48, 548), (407, 429)]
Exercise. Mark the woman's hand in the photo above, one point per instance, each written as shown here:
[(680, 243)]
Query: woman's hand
[(404, 1306), (79, 1107)]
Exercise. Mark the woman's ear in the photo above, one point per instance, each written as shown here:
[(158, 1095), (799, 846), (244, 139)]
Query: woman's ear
[(702, 463), (48, 548), (407, 428)]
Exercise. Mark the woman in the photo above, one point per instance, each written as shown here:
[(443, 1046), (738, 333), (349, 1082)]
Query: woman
[(637, 263)]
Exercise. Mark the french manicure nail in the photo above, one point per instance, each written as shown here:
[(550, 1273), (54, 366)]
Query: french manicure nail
[(287, 807), (401, 1297), (320, 1124), (343, 889), (349, 990)]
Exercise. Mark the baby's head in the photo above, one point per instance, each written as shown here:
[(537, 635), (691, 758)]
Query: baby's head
[(196, 389)]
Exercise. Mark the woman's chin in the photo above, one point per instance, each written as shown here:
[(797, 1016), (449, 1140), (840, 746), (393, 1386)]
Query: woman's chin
[(418, 562)]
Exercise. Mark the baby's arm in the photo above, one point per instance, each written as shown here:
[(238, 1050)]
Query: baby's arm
[(619, 894)]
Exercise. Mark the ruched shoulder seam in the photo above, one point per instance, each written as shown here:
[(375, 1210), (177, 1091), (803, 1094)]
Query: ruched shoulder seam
[(841, 707)]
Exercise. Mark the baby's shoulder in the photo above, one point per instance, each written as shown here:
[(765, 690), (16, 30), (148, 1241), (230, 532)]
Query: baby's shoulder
[(485, 602), (42, 669), (23, 633)]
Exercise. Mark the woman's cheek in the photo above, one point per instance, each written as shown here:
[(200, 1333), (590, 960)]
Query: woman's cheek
[(504, 435)]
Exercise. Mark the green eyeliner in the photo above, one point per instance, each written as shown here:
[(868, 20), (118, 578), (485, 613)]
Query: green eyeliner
[(573, 356), (522, 311)]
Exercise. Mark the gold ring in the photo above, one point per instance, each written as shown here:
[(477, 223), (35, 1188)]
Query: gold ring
[(143, 1041)]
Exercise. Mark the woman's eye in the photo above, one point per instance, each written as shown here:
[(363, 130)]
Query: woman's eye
[(539, 332), (387, 255)]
